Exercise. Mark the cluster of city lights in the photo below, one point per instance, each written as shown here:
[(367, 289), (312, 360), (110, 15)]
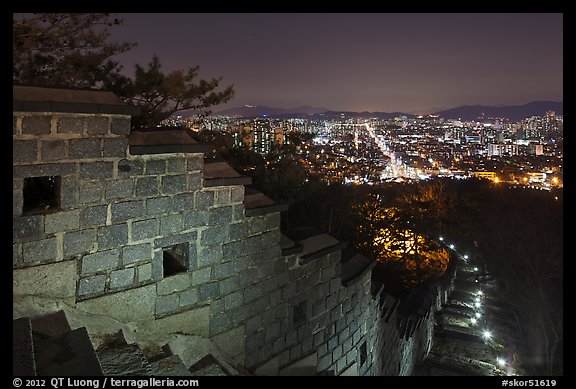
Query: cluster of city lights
[(487, 335)]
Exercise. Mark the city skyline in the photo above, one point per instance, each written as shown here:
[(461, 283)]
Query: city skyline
[(414, 63)]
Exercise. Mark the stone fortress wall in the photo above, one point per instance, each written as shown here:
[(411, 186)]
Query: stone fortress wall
[(146, 231)]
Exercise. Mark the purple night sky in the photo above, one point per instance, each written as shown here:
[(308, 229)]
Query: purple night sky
[(373, 62)]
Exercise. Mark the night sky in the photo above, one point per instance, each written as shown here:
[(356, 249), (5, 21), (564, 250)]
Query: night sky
[(360, 62)]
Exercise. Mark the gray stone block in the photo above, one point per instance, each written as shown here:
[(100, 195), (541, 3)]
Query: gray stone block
[(145, 229), (25, 150), (278, 345), (237, 194), (213, 236), (155, 166), (127, 210), (157, 206), (240, 264), (325, 362), (16, 253), (296, 352), (223, 270), (209, 291), (174, 283), (253, 292), (188, 297), (101, 260), (170, 224), (204, 199), (238, 231), (119, 189), (93, 216), (112, 236), (91, 285), (144, 272), (72, 125), (220, 323), (97, 125), (173, 184), (96, 170), (42, 170), (220, 216), (272, 221), (120, 126), (122, 278), (229, 285), (233, 300), (266, 270), (222, 197), (62, 221), (14, 124), (136, 253), (68, 192), (147, 186), (115, 147), (91, 192), (84, 148), (209, 256), (239, 212), (130, 168), (248, 276), (27, 227), (195, 219), (201, 276), (167, 304), (194, 181), (17, 196), (40, 251), (183, 202), (36, 125), (176, 165), (272, 331), (175, 239), (79, 242), (195, 163)]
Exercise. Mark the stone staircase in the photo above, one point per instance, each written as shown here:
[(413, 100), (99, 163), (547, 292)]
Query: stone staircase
[(47, 346)]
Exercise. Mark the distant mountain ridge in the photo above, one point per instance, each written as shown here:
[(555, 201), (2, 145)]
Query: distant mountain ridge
[(512, 112), (464, 112)]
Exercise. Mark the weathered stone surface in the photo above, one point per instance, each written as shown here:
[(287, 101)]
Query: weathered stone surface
[(79, 242), (170, 224), (129, 168), (136, 253), (232, 341), (118, 189), (91, 192), (96, 170), (120, 126), (175, 283), (158, 205), (220, 216), (53, 150), (112, 236), (155, 166), (201, 276), (204, 199), (195, 219), (183, 202), (72, 125), (127, 210), (173, 184), (36, 125), (27, 226), (167, 304), (62, 221), (42, 170), (188, 297), (91, 285), (145, 229), (115, 147), (191, 322), (176, 165), (195, 163), (101, 260), (147, 186), (121, 306), (56, 280), (93, 216), (144, 272), (121, 278), (25, 150), (40, 250), (98, 125), (84, 148)]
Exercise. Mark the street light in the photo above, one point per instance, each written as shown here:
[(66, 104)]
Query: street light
[(487, 334), (465, 256), (501, 362), (451, 246), (441, 238)]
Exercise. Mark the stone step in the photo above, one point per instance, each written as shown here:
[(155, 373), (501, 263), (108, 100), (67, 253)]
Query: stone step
[(208, 366), (119, 359), (69, 354), (169, 366), (23, 363), (50, 325)]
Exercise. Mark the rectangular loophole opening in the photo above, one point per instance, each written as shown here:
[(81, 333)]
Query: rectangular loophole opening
[(363, 353), (41, 195), (175, 259), (299, 314)]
